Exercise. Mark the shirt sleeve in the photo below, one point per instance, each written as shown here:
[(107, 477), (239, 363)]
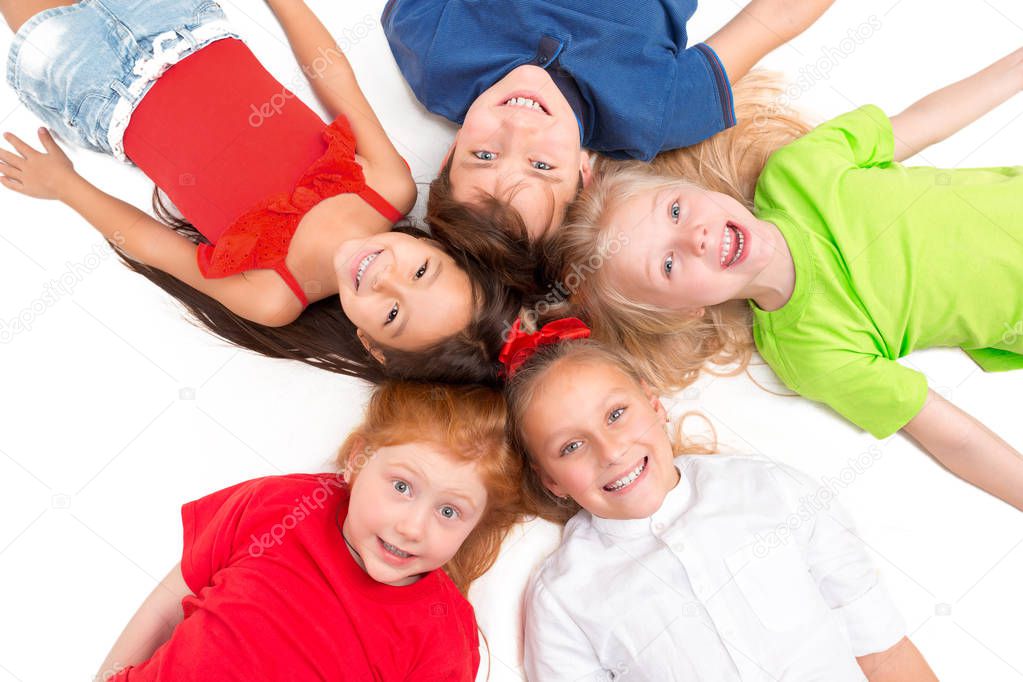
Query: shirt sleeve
[(873, 392), (863, 137), (844, 571), (214, 531), (555, 648), (410, 27), (700, 104)]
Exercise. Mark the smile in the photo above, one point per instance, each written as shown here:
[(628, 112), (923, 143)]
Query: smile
[(363, 264), (627, 480), (396, 551), (733, 245), (526, 103)]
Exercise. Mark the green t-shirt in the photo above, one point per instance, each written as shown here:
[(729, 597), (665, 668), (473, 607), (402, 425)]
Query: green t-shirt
[(888, 259)]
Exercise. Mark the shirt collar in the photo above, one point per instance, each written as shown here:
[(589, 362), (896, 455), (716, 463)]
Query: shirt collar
[(674, 505)]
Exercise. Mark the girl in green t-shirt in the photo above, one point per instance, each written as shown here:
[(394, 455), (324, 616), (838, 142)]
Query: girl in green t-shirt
[(847, 261)]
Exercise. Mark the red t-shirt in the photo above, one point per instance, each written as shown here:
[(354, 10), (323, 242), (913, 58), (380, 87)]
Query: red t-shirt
[(277, 596)]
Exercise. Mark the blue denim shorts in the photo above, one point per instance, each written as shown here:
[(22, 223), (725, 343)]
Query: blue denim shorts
[(83, 68)]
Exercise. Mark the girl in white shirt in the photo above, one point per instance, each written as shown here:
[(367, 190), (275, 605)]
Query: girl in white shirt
[(678, 566)]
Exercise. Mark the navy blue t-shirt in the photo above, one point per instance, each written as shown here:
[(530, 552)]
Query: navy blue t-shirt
[(623, 65)]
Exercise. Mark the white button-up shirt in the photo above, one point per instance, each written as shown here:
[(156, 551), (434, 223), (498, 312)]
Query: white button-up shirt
[(748, 571)]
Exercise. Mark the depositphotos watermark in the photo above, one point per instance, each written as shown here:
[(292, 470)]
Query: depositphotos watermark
[(350, 36), (816, 502), (562, 290), (56, 289), (304, 506)]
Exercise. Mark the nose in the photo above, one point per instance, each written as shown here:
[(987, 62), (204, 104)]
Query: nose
[(411, 525), (383, 279), (696, 241), (611, 452)]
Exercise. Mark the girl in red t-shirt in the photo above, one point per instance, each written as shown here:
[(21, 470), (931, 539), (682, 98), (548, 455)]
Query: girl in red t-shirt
[(284, 214), (358, 575)]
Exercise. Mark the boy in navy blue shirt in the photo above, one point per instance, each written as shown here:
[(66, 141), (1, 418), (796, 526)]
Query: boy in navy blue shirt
[(536, 83)]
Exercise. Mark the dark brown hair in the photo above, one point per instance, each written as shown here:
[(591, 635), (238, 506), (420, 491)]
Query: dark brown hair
[(493, 233), (325, 338)]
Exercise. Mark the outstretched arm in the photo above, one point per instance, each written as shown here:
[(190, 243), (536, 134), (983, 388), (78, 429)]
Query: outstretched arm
[(260, 296), (150, 627), (968, 449), (759, 28), (901, 663), (950, 109), (333, 80)]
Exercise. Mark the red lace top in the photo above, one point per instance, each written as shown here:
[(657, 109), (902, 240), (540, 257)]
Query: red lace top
[(242, 158)]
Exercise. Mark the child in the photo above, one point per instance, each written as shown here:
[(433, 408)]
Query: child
[(288, 211), (534, 84), (324, 576), (849, 262), (699, 570)]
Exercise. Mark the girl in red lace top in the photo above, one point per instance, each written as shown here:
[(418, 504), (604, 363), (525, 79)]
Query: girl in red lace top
[(285, 215)]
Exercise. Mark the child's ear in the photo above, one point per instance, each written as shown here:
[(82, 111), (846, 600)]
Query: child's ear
[(371, 346), (585, 168), (547, 481), (358, 445), (655, 400), (696, 313), (451, 150)]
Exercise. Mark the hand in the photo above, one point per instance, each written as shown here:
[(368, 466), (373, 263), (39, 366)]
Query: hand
[(40, 174)]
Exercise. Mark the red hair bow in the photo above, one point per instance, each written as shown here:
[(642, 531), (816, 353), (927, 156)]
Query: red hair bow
[(522, 345)]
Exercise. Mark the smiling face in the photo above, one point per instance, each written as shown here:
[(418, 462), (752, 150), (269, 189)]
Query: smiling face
[(402, 292), (520, 143), (597, 436), (687, 248), (412, 505)]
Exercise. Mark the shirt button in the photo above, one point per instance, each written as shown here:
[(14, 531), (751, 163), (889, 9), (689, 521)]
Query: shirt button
[(658, 526), (544, 59), (678, 547)]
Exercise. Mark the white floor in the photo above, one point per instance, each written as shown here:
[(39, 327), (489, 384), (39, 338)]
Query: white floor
[(115, 411)]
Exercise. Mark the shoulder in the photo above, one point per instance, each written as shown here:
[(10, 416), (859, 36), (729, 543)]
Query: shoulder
[(576, 561), (745, 477), (393, 181), (286, 488), (277, 305)]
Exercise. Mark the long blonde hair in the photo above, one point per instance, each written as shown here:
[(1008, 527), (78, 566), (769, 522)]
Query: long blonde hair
[(467, 421), (671, 348), (523, 386)]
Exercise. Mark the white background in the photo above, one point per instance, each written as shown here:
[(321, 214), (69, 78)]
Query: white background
[(114, 411)]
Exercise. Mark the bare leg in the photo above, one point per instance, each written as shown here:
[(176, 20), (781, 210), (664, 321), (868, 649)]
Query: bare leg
[(17, 12)]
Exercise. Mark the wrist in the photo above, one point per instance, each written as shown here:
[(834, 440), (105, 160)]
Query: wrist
[(72, 188)]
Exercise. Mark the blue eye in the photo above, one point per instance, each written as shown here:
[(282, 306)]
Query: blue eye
[(484, 155), (449, 512), (571, 447), (542, 165), (615, 415), (669, 263), (675, 211), (392, 314), (402, 487)]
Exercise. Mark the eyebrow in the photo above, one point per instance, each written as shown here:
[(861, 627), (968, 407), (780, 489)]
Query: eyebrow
[(405, 318)]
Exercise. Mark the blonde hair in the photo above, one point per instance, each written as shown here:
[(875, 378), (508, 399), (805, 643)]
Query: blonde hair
[(671, 348), (467, 421), (522, 388)]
